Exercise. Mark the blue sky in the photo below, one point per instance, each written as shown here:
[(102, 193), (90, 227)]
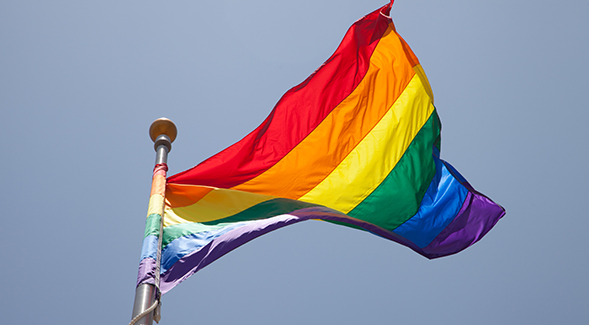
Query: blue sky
[(80, 83)]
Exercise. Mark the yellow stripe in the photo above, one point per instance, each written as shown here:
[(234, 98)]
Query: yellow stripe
[(378, 153), (419, 71), (217, 204), (156, 204)]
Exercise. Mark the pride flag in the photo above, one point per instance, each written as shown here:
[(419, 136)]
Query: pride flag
[(357, 144)]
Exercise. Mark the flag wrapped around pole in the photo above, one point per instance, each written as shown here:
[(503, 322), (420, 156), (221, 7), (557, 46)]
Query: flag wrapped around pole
[(357, 144), (146, 306)]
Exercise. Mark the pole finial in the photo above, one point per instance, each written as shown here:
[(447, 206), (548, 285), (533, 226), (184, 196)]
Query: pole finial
[(163, 126)]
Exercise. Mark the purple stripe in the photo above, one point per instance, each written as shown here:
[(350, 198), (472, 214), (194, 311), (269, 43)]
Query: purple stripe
[(191, 263), (146, 273), (476, 217)]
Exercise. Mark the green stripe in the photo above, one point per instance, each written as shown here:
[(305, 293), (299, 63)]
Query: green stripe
[(152, 224), (398, 197), (265, 210), (262, 210), (392, 203)]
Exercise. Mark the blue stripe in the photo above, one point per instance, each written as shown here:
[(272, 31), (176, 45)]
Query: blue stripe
[(149, 248), (441, 203), (181, 246), (455, 173)]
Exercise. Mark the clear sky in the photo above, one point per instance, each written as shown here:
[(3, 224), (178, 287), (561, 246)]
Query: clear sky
[(80, 83)]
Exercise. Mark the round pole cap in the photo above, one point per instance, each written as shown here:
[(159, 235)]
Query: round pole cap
[(163, 126)]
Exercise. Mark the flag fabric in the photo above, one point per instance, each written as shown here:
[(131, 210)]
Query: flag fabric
[(148, 265), (356, 144)]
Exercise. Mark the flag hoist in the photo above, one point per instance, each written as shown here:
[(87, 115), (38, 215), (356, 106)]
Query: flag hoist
[(147, 295)]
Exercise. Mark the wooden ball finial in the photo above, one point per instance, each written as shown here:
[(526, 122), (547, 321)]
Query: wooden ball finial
[(163, 126)]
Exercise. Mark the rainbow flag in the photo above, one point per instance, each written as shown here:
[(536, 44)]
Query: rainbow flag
[(357, 144)]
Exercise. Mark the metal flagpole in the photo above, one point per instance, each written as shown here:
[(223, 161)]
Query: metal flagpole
[(147, 296)]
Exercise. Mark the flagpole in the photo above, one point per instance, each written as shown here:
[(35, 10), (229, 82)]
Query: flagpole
[(147, 295)]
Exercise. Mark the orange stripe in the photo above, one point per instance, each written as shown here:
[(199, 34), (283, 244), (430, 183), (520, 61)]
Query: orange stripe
[(179, 195), (409, 52), (158, 184), (317, 155), (417, 67)]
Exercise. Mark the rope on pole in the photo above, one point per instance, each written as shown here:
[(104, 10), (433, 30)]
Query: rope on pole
[(146, 312)]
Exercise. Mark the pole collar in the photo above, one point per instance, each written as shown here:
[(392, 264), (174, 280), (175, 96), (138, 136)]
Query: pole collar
[(162, 140)]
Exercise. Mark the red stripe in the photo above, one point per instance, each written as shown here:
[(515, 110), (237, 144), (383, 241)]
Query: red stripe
[(298, 112)]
